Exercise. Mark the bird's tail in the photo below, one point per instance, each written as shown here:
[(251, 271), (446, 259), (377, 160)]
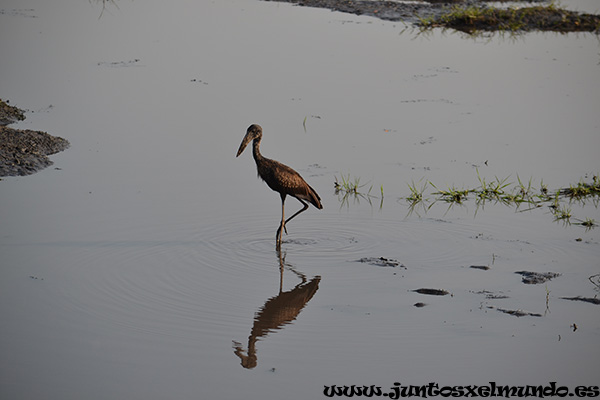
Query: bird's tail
[(314, 198)]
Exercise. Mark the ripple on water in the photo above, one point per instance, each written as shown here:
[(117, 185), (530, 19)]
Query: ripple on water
[(205, 275)]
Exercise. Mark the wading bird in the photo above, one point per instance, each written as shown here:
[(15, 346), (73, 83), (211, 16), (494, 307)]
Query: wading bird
[(280, 178)]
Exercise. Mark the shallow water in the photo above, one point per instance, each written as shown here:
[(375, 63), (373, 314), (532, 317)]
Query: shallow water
[(133, 269)]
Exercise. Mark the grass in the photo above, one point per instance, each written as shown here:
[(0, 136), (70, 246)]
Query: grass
[(516, 194), (351, 188), (588, 223), (451, 195), (497, 190), (582, 190), (416, 199), (562, 213), (416, 195), (523, 195), (475, 18), (346, 185), (494, 190)]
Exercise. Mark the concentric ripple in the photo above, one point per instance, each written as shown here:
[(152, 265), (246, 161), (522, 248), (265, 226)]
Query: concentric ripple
[(206, 275)]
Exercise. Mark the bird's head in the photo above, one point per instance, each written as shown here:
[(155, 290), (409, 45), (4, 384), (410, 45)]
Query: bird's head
[(254, 132)]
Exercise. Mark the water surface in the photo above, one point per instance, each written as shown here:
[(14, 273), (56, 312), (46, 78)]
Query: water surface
[(133, 266)]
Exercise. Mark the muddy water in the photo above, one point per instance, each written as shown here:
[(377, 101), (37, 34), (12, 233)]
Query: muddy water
[(134, 268)]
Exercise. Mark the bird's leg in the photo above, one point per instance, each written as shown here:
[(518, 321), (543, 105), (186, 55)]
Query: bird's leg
[(284, 221), (298, 212), (282, 225)]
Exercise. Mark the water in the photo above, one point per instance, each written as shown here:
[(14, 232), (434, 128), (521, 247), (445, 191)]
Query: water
[(134, 269)]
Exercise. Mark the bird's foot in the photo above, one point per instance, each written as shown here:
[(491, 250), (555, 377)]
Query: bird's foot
[(278, 236)]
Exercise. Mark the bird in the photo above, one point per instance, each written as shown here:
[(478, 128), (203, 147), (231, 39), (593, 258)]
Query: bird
[(280, 178)]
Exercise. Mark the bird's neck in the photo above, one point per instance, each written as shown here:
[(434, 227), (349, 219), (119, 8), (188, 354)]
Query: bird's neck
[(256, 150)]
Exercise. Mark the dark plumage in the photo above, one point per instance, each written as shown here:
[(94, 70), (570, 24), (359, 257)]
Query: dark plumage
[(280, 178)]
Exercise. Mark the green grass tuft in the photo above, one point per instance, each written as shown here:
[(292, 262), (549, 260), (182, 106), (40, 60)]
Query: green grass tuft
[(476, 18)]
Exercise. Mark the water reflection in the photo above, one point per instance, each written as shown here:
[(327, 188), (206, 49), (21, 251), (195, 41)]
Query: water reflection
[(278, 311), (105, 4)]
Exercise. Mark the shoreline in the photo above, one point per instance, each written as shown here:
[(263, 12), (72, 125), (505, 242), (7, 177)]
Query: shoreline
[(470, 16)]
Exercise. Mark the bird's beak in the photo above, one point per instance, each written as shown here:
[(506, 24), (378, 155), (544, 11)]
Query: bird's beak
[(244, 143)]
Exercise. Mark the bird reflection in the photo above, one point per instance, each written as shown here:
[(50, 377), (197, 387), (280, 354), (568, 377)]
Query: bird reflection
[(277, 312)]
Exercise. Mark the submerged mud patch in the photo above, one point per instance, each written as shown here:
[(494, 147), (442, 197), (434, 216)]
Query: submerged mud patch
[(381, 262), (592, 300), (432, 292), (535, 278), (518, 313)]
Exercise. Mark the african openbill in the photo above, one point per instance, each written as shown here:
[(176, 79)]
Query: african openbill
[(280, 178)]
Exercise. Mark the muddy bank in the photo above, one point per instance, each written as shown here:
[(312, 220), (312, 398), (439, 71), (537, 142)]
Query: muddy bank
[(10, 114), (464, 15), (386, 10), (24, 152)]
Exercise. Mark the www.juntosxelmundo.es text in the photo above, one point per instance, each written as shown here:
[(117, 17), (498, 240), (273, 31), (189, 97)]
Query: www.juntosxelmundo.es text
[(433, 389)]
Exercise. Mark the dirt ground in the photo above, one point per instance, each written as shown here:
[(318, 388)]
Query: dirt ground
[(544, 17), (24, 152), (386, 10)]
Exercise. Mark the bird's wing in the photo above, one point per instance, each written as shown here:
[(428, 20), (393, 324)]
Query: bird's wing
[(284, 179)]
